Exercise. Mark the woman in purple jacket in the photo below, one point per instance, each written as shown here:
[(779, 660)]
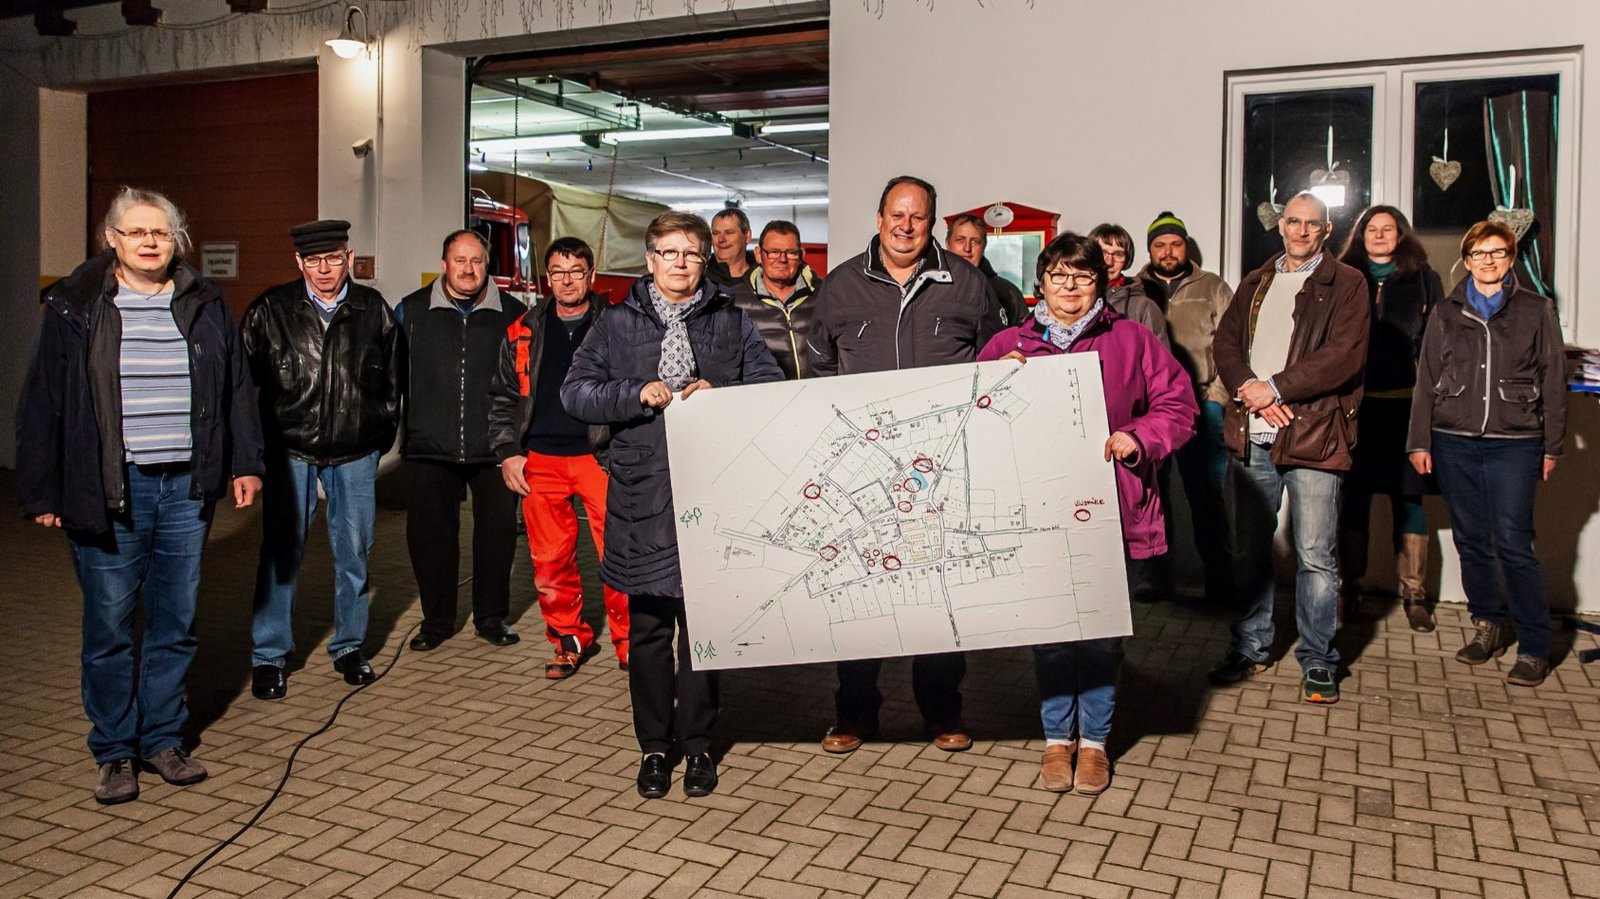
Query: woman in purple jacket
[(1151, 409)]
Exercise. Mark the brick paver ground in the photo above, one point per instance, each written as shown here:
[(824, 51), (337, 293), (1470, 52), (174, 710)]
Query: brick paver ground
[(463, 772)]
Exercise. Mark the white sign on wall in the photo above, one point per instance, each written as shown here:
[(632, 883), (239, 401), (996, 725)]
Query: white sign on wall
[(898, 513), (220, 260)]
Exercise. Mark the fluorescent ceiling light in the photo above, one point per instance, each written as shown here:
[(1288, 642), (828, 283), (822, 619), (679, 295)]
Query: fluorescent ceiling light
[(477, 167), (794, 128), (624, 137), (763, 203), (532, 142)]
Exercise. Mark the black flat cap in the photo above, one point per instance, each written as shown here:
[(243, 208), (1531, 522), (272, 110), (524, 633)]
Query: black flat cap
[(320, 237)]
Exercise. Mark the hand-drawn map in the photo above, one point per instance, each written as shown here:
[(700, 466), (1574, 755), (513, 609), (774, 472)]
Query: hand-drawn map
[(897, 513)]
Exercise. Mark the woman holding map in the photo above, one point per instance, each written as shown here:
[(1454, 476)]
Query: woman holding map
[(674, 335), (1151, 409)]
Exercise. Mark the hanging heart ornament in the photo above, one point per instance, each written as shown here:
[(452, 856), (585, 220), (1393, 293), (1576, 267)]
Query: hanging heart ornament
[(1518, 220), (1268, 214), (1444, 172), (1320, 177)]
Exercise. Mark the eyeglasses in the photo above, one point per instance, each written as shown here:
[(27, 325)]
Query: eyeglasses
[(1076, 279), (576, 274), (781, 254), (138, 235), (1309, 224), (1495, 253), (331, 260), (689, 257), (1118, 254)]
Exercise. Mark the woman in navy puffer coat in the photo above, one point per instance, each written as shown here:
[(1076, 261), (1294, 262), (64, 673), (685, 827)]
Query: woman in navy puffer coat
[(674, 335)]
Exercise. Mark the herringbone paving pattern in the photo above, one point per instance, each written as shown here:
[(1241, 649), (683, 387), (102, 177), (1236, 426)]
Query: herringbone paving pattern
[(464, 772)]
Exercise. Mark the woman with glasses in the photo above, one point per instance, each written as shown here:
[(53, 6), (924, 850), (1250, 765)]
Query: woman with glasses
[(1488, 418), (1403, 290), (137, 415), (676, 334), (1151, 409)]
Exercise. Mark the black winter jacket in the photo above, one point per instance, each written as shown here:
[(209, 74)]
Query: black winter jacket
[(326, 396), (1400, 308), (449, 363), (617, 359), (1012, 303), (783, 325), (1505, 377), (516, 382), (865, 322), (69, 418)]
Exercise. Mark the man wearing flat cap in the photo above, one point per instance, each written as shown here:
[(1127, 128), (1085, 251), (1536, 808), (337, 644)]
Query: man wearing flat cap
[(324, 352)]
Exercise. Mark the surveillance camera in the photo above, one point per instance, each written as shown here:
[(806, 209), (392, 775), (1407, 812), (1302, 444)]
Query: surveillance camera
[(362, 148)]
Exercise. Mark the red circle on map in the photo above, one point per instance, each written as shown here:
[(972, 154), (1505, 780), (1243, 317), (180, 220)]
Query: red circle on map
[(812, 491), (905, 506), (922, 464), (891, 563), (910, 485), (1081, 515), (983, 402), (872, 434), (829, 553)]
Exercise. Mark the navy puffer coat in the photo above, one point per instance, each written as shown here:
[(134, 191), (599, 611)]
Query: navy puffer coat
[(618, 358)]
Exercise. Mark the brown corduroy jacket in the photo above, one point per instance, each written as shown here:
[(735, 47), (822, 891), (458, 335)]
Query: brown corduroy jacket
[(1321, 384)]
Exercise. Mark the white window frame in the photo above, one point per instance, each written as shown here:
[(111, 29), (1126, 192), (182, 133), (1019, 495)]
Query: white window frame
[(1394, 98)]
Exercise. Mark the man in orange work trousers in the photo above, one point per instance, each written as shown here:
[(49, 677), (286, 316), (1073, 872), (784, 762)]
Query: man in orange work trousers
[(547, 456)]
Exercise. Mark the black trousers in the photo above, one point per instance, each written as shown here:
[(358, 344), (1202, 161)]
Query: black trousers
[(433, 529), (656, 682), (935, 681)]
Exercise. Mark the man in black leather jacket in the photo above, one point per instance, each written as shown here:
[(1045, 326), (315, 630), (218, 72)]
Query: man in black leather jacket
[(325, 357)]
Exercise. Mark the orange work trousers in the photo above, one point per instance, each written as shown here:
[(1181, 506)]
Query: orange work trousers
[(553, 541)]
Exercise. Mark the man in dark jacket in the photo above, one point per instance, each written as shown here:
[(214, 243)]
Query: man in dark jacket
[(967, 237), (451, 331), (730, 236), (547, 457), (1290, 351), (325, 355), (778, 295), (904, 303)]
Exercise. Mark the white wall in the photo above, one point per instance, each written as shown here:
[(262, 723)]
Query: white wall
[(63, 180), (1114, 112)]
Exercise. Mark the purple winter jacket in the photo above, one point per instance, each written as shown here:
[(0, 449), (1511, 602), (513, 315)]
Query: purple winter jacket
[(1148, 395)]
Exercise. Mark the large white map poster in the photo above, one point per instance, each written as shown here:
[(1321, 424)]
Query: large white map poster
[(898, 513)]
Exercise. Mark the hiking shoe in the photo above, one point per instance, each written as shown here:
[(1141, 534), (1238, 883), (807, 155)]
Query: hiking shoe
[(1418, 616), (175, 767), (119, 782), (1490, 642), (1235, 667), (1529, 671), (1319, 686)]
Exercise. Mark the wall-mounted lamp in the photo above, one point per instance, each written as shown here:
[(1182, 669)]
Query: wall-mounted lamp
[(349, 42)]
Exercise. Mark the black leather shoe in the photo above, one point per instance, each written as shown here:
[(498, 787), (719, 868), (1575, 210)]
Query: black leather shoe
[(355, 669), (700, 775), (268, 682), (655, 776), (498, 633), (425, 643)]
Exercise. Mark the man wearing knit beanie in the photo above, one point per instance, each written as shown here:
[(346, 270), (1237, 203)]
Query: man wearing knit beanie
[(1194, 301)]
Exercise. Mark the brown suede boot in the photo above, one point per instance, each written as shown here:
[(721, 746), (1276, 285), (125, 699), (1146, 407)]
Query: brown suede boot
[(1411, 566)]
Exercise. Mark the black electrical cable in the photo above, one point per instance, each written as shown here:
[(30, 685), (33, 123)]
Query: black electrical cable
[(288, 769)]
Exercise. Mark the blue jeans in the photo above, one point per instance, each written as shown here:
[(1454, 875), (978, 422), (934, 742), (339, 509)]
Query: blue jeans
[(1488, 486), (289, 504), (1314, 519), (1078, 682), (152, 548)]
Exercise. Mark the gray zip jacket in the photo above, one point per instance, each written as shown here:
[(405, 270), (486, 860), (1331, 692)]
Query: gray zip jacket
[(1505, 377), (865, 321)]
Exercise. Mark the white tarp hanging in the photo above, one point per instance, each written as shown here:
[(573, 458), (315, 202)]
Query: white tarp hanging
[(561, 210)]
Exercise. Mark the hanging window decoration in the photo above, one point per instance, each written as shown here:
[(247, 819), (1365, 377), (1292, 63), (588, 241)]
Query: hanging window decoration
[(1443, 171), (1268, 211), (1329, 184)]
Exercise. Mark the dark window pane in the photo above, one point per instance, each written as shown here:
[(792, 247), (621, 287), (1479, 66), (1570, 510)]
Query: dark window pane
[(1286, 139)]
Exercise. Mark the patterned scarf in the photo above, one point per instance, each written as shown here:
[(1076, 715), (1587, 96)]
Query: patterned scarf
[(677, 366), (1063, 335)]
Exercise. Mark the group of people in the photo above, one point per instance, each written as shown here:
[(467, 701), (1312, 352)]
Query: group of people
[(144, 405)]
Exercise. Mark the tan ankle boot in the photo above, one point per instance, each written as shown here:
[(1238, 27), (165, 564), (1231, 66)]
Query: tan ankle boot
[(1411, 566)]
